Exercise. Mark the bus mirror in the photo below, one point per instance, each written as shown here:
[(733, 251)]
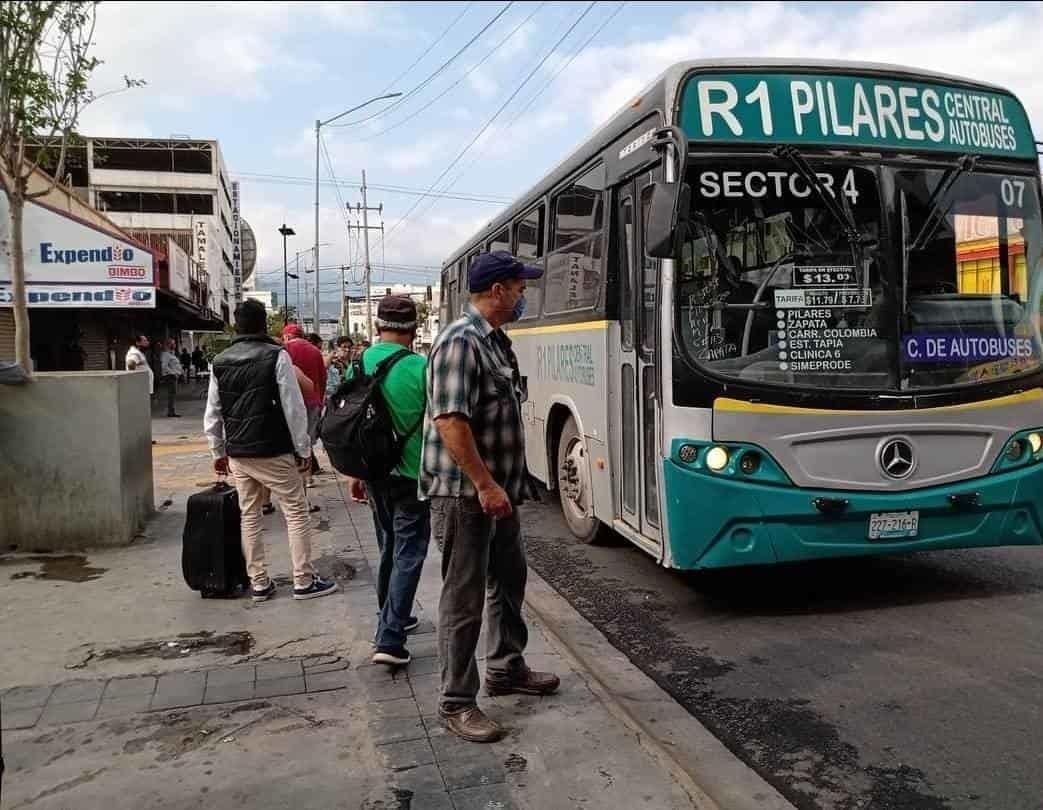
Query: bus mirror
[(668, 200)]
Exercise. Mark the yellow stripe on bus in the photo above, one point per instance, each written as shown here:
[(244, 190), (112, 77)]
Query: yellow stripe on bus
[(585, 326), (738, 406)]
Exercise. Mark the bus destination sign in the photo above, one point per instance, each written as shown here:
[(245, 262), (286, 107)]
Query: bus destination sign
[(853, 112)]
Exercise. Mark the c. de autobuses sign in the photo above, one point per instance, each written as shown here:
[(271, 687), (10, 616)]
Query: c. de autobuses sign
[(70, 263)]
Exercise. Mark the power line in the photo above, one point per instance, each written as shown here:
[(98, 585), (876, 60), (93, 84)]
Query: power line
[(428, 50), (455, 84), (493, 118), (570, 60), (398, 102), (538, 93), (291, 180)]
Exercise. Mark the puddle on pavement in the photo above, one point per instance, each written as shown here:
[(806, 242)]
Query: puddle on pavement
[(61, 568)]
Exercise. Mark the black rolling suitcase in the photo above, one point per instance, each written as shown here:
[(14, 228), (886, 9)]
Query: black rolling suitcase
[(211, 550)]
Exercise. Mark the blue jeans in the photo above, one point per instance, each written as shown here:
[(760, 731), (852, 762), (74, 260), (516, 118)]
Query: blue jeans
[(403, 525)]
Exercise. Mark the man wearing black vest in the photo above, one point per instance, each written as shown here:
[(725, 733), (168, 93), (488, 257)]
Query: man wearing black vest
[(257, 427)]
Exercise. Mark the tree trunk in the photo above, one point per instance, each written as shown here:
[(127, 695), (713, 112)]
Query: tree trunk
[(16, 204)]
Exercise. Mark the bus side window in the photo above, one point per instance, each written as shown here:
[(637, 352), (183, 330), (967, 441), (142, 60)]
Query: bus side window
[(449, 293), (626, 270), (575, 266), (528, 247), (649, 278), (500, 242)]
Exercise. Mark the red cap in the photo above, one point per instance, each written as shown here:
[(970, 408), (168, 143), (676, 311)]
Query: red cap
[(291, 330)]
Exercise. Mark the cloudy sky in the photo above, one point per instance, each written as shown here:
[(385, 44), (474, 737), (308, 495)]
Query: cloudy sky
[(256, 75)]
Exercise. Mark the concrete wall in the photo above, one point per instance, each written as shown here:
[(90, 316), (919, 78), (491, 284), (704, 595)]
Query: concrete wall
[(77, 461)]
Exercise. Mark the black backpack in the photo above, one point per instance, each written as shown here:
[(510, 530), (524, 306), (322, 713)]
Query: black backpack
[(357, 430)]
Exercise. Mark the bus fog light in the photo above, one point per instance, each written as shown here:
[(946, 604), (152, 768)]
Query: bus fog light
[(688, 453), (749, 463), (1035, 442), (1015, 450), (717, 458)]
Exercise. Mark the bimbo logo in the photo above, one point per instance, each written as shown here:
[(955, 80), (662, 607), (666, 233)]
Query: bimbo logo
[(113, 253)]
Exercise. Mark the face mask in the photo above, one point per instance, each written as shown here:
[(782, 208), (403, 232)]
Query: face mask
[(519, 309)]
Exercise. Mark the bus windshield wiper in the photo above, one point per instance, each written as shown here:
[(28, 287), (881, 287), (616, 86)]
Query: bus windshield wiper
[(964, 164), (842, 214)]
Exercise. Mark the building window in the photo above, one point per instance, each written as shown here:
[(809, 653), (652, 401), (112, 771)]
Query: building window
[(154, 158), (155, 202)]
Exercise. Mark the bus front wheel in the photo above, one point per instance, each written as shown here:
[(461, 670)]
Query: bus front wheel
[(574, 488)]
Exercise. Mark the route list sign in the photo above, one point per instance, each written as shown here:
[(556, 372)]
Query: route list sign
[(853, 111), (808, 340)]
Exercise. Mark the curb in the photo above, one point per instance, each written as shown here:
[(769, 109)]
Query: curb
[(712, 776)]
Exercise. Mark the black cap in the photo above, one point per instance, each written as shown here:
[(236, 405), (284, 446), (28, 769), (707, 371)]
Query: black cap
[(397, 313)]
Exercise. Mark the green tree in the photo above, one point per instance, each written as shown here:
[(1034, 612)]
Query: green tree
[(277, 320), (45, 68), (423, 313)]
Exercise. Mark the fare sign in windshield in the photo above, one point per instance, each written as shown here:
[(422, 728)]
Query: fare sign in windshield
[(853, 111)]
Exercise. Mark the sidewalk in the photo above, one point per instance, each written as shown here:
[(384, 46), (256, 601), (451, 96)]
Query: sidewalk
[(126, 684)]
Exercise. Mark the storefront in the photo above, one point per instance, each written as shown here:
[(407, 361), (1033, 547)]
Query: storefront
[(91, 287)]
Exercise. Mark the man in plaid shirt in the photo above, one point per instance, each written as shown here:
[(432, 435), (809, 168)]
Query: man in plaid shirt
[(474, 472)]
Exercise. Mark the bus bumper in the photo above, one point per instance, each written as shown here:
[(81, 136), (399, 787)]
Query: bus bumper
[(718, 522)]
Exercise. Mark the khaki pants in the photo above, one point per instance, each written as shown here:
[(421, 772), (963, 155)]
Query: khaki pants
[(279, 474)]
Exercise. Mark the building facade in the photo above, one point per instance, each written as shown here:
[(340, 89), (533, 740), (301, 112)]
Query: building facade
[(429, 295), (91, 286), (175, 189)]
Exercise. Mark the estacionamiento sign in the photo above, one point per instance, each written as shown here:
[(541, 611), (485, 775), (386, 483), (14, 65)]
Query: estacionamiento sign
[(237, 245)]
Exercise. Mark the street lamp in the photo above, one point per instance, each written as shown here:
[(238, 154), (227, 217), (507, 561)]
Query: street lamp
[(285, 231), (318, 125)]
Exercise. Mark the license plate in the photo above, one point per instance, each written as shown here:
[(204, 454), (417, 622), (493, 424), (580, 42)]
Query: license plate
[(893, 525)]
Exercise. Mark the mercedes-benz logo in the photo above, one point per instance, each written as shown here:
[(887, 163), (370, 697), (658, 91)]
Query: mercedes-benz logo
[(897, 459)]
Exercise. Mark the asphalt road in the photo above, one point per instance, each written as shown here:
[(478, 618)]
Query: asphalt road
[(891, 683)]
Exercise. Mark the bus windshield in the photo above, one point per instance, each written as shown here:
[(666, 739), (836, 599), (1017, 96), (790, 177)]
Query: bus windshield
[(902, 279)]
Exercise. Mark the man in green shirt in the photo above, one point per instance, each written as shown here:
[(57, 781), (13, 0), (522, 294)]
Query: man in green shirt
[(402, 521)]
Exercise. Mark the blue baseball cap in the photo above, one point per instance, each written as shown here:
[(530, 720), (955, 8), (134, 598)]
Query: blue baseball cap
[(499, 265)]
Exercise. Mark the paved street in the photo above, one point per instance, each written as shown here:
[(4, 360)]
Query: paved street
[(906, 683), (129, 685)]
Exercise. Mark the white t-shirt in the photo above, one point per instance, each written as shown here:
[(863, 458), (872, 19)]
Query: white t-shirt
[(136, 360)]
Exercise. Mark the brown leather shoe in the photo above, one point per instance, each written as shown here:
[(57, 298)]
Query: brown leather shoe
[(472, 725), (523, 682)]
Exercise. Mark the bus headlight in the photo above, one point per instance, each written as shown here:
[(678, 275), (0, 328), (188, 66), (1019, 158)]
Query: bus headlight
[(1035, 442), (1015, 450), (717, 458), (688, 453)]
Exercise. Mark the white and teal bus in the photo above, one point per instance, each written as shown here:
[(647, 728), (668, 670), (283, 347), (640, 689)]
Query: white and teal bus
[(791, 310)]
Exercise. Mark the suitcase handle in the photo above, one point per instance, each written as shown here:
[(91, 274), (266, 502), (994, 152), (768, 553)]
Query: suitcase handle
[(221, 484)]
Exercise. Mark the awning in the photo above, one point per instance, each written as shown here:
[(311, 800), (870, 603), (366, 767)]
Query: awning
[(187, 315)]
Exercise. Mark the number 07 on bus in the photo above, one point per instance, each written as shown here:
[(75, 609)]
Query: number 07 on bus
[(790, 310)]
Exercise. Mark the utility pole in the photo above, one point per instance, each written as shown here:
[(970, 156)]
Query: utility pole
[(365, 227), (318, 126), (343, 306)]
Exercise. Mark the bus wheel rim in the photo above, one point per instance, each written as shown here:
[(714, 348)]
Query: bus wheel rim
[(573, 477)]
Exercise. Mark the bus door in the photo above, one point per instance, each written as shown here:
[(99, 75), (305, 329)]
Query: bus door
[(638, 481)]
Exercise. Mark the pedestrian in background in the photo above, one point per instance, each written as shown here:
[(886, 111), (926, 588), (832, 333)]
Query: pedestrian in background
[(474, 472), (309, 360), (185, 359), (136, 360), (257, 427), (170, 372), (198, 361), (402, 521)]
